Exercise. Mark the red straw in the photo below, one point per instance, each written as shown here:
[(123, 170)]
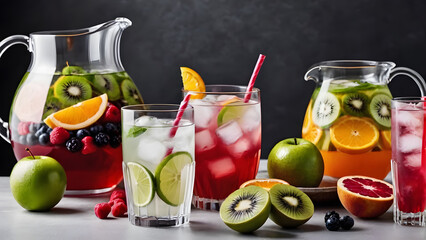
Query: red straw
[(253, 77), (179, 115)]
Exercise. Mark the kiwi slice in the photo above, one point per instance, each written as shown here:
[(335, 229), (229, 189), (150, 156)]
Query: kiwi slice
[(107, 84), (380, 110), (290, 207), (73, 70), (72, 89), (355, 104), (130, 92), (326, 110), (52, 105), (246, 209)]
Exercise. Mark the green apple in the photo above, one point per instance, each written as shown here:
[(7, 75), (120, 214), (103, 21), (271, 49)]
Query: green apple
[(297, 161), (38, 183)]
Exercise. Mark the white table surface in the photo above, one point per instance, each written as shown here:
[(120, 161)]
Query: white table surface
[(74, 218)]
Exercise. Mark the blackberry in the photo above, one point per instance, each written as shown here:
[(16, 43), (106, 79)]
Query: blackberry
[(31, 139), (96, 129), (330, 214), (44, 139), (115, 141), (82, 133), (346, 222), (333, 223), (111, 129), (74, 144), (101, 139)]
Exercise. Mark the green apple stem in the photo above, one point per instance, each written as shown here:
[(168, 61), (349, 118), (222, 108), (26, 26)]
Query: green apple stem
[(29, 151), (295, 141)]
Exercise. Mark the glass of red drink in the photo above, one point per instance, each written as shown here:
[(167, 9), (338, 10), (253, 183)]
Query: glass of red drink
[(409, 160), (227, 141)]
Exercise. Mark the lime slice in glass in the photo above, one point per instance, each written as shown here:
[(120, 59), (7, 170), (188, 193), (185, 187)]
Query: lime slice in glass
[(142, 184), (168, 177), (232, 111)]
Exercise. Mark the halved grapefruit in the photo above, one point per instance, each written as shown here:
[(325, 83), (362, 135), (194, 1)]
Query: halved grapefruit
[(365, 197)]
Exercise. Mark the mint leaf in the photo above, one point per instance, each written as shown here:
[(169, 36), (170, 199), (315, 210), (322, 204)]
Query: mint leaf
[(136, 131)]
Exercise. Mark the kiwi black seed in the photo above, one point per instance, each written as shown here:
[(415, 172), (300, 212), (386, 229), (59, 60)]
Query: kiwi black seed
[(72, 89), (130, 92), (380, 110), (290, 207), (355, 104), (326, 110), (52, 105), (107, 83), (246, 209)]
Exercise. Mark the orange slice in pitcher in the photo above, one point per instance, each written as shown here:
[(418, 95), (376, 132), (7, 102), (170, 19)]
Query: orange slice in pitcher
[(265, 183), (354, 135), (386, 139), (307, 122), (192, 81), (80, 115)]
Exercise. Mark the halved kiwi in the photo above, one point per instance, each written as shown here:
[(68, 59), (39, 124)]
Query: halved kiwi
[(73, 70), (326, 110), (52, 105), (290, 207), (72, 89), (246, 209), (380, 110), (130, 92), (107, 83), (355, 104)]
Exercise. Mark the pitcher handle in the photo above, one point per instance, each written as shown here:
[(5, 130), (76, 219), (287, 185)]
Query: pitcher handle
[(4, 45), (412, 74)]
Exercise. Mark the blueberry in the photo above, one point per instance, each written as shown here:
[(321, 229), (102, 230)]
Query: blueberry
[(329, 214), (73, 134), (49, 130), (31, 139), (41, 130), (111, 129), (101, 139), (74, 144), (82, 133), (333, 223), (115, 141), (44, 139), (346, 222), (96, 129), (33, 127), (23, 139)]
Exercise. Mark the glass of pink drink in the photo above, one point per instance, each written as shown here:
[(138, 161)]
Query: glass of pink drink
[(409, 160), (227, 141)]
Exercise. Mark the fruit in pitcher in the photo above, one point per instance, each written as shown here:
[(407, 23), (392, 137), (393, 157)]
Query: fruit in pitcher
[(386, 139), (246, 209), (365, 197), (52, 105), (107, 84), (72, 89), (80, 115), (192, 81), (326, 110), (130, 92), (355, 104), (380, 110), (265, 183), (296, 161), (73, 70), (290, 207), (354, 135), (310, 131)]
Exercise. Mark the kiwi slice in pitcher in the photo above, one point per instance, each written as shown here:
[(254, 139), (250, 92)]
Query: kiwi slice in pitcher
[(107, 84), (246, 209), (130, 92), (290, 207), (326, 110), (380, 110), (355, 104), (72, 89), (52, 105), (73, 70)]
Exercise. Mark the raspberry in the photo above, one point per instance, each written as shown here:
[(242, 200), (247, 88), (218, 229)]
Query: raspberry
[(119, 209), (74, 144), (88, 146), (23, 128), (112, 114), (102, 210), (118, 194), (116, 201), (59, 135)]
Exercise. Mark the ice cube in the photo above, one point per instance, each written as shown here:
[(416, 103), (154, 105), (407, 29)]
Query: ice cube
[(210, 98), (412, 120), (229, 133), (410, 143), (413, 160), (203, 113), (239, 148), (184, 140), (146, 121), (222, 167), (222, 98), (151, 150), (205, 141), (251, 119)]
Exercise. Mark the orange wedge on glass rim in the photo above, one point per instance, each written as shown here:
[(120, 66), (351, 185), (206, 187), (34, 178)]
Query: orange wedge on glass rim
[(80, 115), (193, 82), (265, 183)]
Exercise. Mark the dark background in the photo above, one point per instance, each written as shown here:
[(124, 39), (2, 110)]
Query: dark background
[(221, 39)]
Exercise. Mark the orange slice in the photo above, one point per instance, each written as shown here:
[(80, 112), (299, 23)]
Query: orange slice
[(310, 131), (265, 183), (307, 122), (79, 115), (354, 135), (386, 139), (192, 81)]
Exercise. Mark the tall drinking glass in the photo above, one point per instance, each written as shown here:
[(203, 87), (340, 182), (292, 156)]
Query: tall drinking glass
[(158, 166), (227, 141), (409, 160)]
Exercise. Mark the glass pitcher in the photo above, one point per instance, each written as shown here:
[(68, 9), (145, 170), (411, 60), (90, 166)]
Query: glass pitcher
[(349, 115), (67, 104)]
